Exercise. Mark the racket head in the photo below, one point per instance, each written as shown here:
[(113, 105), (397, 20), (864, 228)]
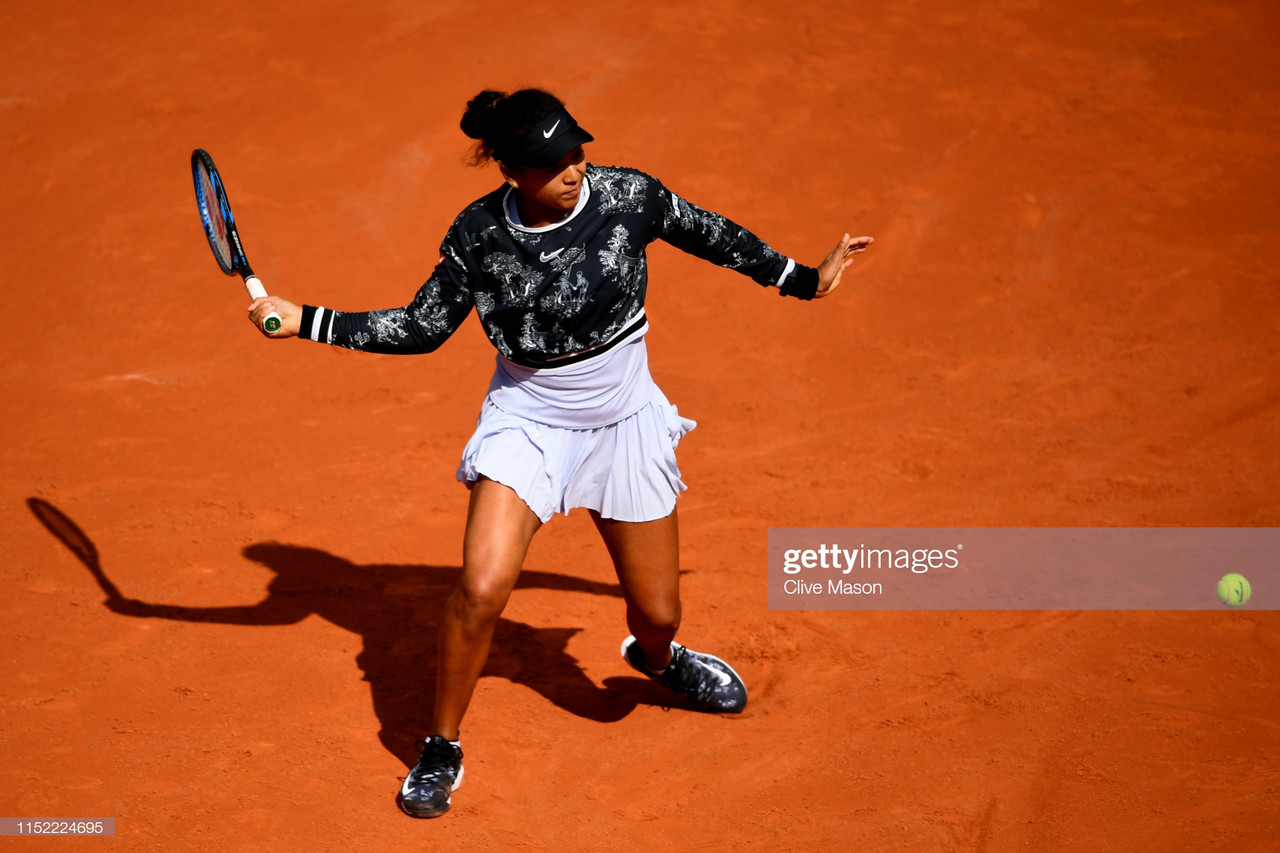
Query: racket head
[(215, 215)]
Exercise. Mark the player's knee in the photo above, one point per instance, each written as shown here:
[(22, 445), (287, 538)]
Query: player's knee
[(658, 617), (480, 601)]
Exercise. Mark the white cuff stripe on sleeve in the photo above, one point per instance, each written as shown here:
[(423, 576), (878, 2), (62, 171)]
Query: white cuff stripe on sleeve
[(316, 323), (790, 268)]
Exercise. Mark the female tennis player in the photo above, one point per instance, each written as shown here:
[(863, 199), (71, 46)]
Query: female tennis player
[(553, 263)]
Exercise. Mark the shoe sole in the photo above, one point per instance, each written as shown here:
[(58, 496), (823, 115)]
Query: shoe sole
[(437, 812)]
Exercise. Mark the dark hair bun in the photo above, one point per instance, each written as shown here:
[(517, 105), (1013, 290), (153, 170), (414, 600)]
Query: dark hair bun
[(478, 120)]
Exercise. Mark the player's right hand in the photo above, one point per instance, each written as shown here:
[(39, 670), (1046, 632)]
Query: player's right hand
[(290, 316)]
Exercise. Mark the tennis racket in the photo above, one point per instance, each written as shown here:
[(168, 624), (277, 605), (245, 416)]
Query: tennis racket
[(220, 228)]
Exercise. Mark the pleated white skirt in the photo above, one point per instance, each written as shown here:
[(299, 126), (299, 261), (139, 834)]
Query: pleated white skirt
[(625, 470)]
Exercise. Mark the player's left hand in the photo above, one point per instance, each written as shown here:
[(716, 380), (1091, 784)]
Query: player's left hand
[(830, 270)]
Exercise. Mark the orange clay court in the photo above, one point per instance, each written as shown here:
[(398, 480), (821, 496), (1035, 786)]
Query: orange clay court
[(1069, 319)]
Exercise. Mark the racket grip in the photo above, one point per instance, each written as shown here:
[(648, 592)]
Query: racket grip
[(256, 291)]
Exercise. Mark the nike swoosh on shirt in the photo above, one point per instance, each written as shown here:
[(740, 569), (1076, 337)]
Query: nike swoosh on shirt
[(546, 134), (547, 256)]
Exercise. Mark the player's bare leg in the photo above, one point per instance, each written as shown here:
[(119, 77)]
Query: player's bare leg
[(499, 528), (646, 557)]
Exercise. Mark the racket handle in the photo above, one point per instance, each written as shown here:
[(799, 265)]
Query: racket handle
[(257, 291)]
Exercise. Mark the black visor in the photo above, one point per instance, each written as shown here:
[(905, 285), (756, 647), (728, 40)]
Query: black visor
[(548, 143)]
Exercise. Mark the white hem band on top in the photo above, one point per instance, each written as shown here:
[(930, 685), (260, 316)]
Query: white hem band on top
[(597, 434)]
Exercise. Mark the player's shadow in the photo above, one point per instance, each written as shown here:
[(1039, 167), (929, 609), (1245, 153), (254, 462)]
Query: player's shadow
[(395, 609)]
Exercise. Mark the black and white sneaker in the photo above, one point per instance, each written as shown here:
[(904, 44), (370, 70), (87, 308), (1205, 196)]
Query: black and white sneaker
[(707, 682), (438, 773)]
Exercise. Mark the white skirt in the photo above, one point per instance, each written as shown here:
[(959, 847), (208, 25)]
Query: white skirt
[(624, 470)]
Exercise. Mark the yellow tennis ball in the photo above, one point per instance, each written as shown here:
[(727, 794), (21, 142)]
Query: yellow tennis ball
[(1234, 590)]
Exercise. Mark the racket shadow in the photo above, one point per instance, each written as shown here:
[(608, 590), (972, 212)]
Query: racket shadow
[(69, 534), (395, 609)]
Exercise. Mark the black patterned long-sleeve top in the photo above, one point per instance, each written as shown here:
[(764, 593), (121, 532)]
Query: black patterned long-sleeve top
[(546, 294)]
